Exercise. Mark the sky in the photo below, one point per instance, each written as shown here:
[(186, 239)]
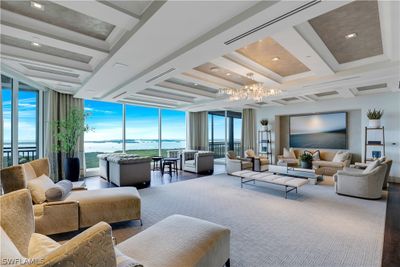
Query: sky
[(141, 122), (317, 123), (27, 104)]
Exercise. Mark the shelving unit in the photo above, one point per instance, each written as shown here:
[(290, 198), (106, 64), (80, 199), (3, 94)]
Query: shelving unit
[(264, 138), (379, 142)]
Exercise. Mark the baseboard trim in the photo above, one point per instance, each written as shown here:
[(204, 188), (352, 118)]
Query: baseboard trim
[(393, 179)]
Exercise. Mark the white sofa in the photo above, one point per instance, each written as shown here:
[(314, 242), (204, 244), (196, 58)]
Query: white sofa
[(198, 161)]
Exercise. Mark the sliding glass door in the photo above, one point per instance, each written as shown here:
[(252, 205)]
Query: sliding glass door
[(173, 130)]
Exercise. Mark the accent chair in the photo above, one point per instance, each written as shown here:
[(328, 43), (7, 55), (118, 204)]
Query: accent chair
[(198, 161), (234, 163), (260, 163)]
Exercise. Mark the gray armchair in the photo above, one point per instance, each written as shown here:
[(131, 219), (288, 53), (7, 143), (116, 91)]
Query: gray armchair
[(361, 183), (198, 161), (235, 163)]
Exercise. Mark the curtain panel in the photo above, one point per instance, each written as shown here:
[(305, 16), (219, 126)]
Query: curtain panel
[(57, 107), (1, 129), (197, 131), (249, 131)]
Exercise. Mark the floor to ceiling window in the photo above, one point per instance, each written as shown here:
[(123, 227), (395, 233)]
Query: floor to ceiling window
[(224, 131), (28, 123), (6, 90), (141, 131), (106, 121), (173, 130)]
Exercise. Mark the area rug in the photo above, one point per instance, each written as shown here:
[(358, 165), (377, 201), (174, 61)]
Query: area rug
[(315, 227)]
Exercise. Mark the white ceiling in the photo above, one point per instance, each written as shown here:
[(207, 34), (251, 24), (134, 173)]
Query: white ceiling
[(149, 56)]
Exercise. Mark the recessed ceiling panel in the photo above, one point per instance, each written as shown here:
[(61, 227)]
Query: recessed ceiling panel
[(53, 71), (62, 17), (351, 32), (214, 70), (16, 42), (273, 56), (190, 84)]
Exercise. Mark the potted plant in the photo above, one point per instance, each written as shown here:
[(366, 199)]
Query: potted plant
[(264, 124), (306, 161), (374, 117), (67, 133)]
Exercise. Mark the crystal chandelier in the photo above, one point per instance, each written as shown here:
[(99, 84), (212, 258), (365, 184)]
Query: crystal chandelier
[(255, 91)]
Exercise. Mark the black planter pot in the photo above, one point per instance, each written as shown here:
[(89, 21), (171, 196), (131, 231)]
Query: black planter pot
[(71, 169), (306, 164)]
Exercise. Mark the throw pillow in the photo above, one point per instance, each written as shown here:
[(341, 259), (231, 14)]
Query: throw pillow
[(41, 245), (29, 171), (289, 154), (340, 156), (38, 188), (382, 159), (59, 191), (315, 155), (371, 166), (8, 249)]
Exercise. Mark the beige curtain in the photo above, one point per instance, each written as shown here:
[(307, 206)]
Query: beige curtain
[(197, 131), (57, 108), (249, 131)]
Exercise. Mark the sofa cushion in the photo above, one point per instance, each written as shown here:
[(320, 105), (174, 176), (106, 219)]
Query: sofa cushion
[(325, 163), (29, 171), (371, 166), (231, 155), (125, 261), (8, 249), (38, 188), (247, 165), (190, 163), (289, 154), (41, 245), (59, 191), (341, 156)]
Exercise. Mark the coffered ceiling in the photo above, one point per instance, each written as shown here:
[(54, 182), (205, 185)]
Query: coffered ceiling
[(166, 54)]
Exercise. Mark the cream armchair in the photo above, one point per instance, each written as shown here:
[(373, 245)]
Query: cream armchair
[(195, 242), (361, 183), (235, 163), (198, 161), (260, 163)]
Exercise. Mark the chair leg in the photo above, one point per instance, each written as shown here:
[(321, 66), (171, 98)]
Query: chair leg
[(228, 263)]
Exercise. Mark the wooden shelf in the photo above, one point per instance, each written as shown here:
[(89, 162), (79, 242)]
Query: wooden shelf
[(381, 145)]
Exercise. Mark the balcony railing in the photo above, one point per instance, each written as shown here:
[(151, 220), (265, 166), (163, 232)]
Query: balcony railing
[(219, 148), (25, 154)]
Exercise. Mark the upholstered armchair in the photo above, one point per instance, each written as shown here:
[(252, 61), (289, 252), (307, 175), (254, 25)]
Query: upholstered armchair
[(198, 161), (260, 163), (234, 163), (361, 183), (386, 161)]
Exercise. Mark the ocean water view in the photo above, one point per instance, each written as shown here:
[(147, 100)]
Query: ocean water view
[(136, 144)]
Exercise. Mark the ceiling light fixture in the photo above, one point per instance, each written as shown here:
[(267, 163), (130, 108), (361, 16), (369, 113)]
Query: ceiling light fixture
[(36, 44), (214, 69), (195, 84), (37, 5), (255, 91), (228, 74), (350, 35), (275, 59)]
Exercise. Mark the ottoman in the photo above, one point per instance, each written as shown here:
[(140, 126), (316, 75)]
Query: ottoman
[(180, 241), (109, 205)]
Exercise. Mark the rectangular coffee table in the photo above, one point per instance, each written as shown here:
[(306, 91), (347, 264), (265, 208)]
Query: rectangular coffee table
[(295, 172)]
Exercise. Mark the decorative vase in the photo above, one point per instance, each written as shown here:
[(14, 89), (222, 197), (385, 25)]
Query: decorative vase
[(71, 169), (374, 123), (264, 127), (306, 164)]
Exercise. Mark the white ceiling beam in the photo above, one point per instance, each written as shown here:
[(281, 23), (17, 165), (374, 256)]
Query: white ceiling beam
[(50, 41), (20, 53), (226, 63), (53, 77), (345, 93), (163, 95), (102, 12), (149, 100), (181, 92), (254, 66), (185, 89), (293, 42), (42, 28), (211, 78), (194, 80)]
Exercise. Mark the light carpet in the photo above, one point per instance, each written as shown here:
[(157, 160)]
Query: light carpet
[(315, 227)]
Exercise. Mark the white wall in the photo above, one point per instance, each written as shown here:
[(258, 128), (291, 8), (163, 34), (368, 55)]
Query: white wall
[(389, 102)]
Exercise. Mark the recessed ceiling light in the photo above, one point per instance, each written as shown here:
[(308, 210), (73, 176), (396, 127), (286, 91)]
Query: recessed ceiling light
[(37, 5), (195, 84), (275, 59), (118, 65), (228, 74), (36, 44), (214, 69), (350, 35)]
